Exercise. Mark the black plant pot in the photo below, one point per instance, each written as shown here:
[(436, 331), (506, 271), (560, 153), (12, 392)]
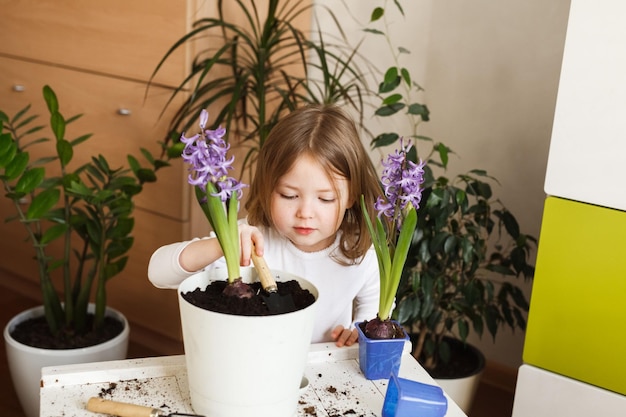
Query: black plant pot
[(465, 360)]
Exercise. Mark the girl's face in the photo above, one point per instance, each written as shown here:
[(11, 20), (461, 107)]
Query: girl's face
[(307, 207)]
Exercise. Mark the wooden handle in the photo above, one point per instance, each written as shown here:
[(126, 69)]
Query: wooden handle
[(98, 405), (265, 275)]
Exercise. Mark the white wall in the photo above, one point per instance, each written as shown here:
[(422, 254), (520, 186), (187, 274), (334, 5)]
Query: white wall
[(490, 70)]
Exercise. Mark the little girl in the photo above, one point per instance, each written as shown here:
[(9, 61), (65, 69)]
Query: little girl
[(304, 217)]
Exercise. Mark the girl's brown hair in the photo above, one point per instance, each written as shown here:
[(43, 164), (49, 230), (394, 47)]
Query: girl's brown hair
[(330, 136)]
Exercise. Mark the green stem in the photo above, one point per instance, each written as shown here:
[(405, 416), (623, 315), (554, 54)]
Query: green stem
[(227, 235)]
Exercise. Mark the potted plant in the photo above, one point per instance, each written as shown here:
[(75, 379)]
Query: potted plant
[(256, 68), (467, 249), (79, 222), (381, 340), (263, 360)]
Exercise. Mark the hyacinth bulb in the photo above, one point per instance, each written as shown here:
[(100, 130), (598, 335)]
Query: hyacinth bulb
[(238, 289), (383, 329)]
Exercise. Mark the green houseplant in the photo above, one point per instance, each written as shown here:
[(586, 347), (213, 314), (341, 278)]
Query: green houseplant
[(78, 218), (467, 249), (254, 69)]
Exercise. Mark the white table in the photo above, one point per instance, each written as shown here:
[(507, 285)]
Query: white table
[(336, 385)]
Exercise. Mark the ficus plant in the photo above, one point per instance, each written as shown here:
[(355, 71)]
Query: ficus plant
[(78, 218), (467, 252)]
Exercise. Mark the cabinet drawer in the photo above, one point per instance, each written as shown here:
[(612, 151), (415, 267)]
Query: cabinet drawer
[(118, 37), (101, 100)]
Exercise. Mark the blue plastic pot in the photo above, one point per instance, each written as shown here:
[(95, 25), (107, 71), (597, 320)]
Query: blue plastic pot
[(406, 398), (379, 358)]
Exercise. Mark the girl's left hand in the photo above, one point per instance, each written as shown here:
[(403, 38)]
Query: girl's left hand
[(343, 336)]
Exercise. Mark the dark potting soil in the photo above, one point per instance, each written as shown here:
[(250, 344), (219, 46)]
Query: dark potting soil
[(35, 332), (213, 299)]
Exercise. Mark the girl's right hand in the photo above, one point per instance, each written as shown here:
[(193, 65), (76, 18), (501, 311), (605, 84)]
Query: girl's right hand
[(250, 238)]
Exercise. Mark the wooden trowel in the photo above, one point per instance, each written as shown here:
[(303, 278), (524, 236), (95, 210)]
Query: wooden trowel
[(116, 408), (276, 303)]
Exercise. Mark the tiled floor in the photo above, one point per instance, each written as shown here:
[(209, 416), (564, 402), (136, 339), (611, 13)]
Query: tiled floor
[(490, 401)]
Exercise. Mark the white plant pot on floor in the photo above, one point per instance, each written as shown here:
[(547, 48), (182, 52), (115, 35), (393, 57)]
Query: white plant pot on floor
[(25, 362), (244, 366), (463, 390)]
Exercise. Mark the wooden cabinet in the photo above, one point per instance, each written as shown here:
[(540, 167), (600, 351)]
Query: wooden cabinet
[(116, 38), (98, 57)]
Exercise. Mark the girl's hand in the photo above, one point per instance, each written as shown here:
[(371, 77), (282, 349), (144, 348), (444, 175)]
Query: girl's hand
[(250, 238), (343, 336)]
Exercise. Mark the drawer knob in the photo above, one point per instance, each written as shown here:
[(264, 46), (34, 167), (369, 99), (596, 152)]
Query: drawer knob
[(124, 112), (18, 88)]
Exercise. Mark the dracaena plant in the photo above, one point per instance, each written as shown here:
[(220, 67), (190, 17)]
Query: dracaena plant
[(77, 218), (467, 250), (218, 195), (391, 236), (257, 66)]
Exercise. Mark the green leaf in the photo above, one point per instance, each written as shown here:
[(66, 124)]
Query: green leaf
[(510, 224), (146, 175), (377, 13), (389, 110), (449, 245), (30, 180), (119, 247), (384, 139), (443, 154), (133, 163), (391, 75), (491, 314), (394, 98), (123, 228), (389, 84), (114, 268), (53, 232), (8, 149), (407, 309), (42, 203), (80, 139), (477, 324), (373, 31), (519, 298), (57, 123), (406, 75), (65, 151), (51, 99), (419, 110), (399, 6), (16, 167), (463, 328)]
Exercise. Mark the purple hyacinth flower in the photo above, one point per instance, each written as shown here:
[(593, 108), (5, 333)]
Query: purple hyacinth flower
[(206, 154), (402, 180)]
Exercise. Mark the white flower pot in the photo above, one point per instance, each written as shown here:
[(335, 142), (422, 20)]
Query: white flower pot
[(25, 362), (244, 366), (463, 389)]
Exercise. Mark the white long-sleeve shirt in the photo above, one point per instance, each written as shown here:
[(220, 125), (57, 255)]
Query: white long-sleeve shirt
[(347, 294)]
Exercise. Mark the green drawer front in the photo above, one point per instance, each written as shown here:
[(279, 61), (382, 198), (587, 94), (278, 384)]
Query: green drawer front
[(577, 319)]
